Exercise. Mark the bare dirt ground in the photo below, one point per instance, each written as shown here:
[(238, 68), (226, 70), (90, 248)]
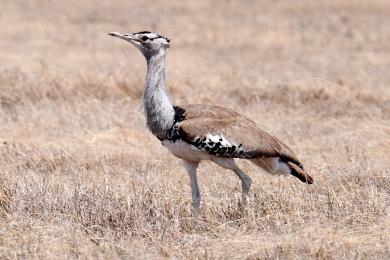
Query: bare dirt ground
[(82, 178)]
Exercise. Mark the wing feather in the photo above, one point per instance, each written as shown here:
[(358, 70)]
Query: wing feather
[(238, 136)]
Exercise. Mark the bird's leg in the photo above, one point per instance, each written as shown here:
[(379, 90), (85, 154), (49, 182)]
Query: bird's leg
[(246, 181), (191, 169)]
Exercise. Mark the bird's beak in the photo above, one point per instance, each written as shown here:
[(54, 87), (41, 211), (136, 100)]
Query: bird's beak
[(126, 37)]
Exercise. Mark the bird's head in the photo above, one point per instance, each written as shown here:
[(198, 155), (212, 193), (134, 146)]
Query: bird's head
[(149, 43)]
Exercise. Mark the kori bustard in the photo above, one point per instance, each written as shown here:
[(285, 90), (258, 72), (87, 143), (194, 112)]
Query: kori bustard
[(203, 132)]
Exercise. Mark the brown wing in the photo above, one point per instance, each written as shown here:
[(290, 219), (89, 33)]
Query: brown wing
[(226, 133)]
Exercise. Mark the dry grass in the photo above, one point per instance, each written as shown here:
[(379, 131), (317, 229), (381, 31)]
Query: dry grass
[(81, 178)]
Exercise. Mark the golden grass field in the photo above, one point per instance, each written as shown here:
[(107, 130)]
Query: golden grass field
[(81, 177)]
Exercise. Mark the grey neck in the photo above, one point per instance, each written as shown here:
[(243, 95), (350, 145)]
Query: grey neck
[(159, 110)]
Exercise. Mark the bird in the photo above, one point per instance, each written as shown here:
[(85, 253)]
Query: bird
[(198, 132)]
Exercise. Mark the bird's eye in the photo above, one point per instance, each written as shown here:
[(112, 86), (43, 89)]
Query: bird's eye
[(144, 38)]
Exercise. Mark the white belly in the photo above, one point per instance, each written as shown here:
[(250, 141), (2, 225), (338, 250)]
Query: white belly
[(186, 151)]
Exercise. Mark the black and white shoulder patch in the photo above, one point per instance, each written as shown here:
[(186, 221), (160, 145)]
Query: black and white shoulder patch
[(211, 143), (219, 145)]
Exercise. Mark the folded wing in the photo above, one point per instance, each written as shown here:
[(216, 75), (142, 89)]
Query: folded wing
[(223, 132)]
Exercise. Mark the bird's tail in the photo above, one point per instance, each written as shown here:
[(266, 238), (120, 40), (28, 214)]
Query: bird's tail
[(275, 165), (300, 173)]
